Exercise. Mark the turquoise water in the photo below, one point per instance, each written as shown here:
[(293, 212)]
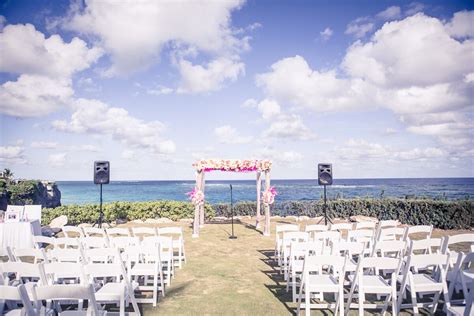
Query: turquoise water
[(81, 192)]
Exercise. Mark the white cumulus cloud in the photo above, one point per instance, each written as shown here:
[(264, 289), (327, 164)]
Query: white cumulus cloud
[(227, 134), (390, 13), (44, 145), (12, 155), (95, 117), (326, 34)]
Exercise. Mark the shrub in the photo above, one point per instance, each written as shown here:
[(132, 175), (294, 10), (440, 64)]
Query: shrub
[(440, 214), (88, 213)]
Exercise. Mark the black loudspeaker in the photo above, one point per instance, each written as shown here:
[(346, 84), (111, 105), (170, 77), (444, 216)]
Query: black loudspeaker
[(325, 174), (101, 172)]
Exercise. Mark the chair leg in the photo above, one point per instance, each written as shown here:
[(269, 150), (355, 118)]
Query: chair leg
[(298, 310), (293, 285), (435, 302), (361, 302), (414, 302), (341, 302), (385, 305), (307, 302)]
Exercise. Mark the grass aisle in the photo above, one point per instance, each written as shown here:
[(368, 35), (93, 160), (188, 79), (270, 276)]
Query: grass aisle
[(222, 276)]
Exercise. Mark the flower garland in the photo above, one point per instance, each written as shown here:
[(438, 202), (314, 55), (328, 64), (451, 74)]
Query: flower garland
[(196, 196), (234, 165), (268, 196)]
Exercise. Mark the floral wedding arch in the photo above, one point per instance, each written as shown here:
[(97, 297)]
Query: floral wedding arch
[(259, 166)]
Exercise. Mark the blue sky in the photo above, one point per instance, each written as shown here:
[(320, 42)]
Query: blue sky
[(378, 88)]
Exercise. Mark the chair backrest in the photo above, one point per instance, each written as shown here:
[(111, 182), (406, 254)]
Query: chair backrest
[(67, 242), (56, 272), (281, 229), (425, 230), (61, 292), (123, 242), (17, 293), (365, 225), (351, 248), (327, 236), (426, 260), (164, 242), (94, 231), (290, 236), (360, 234), (100, 255), (392, 233), (43, 241), (425, 246), (316, 228), (388, 223), (174, 230), (390, 248), (66, 255), (118, 231), (94, 242), (104, 271), (72, 231), (317, 263), (144, 231), (381, 263), (33, 212), (25, 254), (455, 239), (341, 226), (22, 270)]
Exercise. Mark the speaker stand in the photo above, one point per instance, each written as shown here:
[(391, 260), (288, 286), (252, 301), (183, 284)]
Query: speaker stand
[(101, 218), (325, 210)]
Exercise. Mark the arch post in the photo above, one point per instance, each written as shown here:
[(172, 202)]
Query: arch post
[(266, 231), (259, 194), (201, 215), (197, 208)]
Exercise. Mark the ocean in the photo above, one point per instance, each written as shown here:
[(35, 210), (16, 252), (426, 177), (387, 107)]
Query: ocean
[(82, 192)]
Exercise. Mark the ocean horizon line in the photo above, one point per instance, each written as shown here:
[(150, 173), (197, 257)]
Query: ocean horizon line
[(273, 179)]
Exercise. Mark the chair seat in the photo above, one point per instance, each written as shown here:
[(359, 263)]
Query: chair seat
[(322, 283), (110, 291), (375, 284), (143, 269), (424, 283)]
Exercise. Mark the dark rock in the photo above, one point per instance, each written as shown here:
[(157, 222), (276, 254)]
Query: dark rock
[(120, 221)]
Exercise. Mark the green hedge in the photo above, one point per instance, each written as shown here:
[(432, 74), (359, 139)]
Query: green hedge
[(88, 213), (440, 214)]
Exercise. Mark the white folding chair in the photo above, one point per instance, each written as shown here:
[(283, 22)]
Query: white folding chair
[(288, 238), (465, 274), (111, 283), (28, 254), (165, 245), (327, 237), (94, 242), (279, 230), (67, 292), (94, 232), (388, 223), (416, 282), (423, 230), (12, 295), (118, 231), (462, 276), (43, 241), (145, 268), (316, 280), (144, 231), (455, 256), (368, 281), (298, 251), (390, 248), (176, 233), (72, 231), (366, 236), (6, 254), (425, 246)]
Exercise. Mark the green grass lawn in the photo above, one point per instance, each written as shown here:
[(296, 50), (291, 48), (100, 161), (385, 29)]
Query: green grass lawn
[(229, 277)]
